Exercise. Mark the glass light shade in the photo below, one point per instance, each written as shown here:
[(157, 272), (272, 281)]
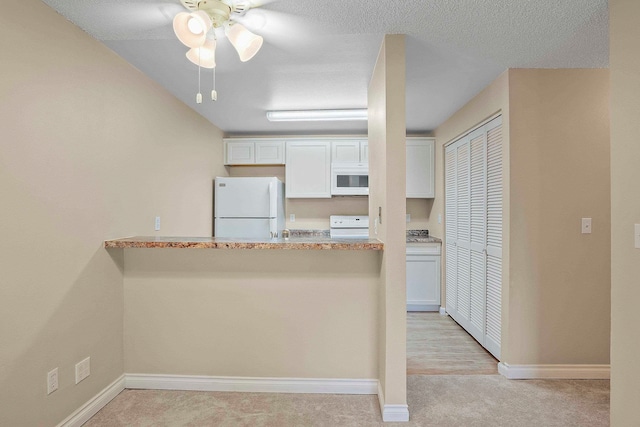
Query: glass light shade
[(191, 28), (246, 43), (207, 53)]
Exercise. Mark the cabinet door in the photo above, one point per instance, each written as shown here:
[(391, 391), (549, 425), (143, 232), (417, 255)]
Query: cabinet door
[(477, 232), (364, 151), (493, 328), (420, 168), (423, 283), (463, 199), (451, 230), (239, 153), (269, 152), (345, 151), (308, 171)]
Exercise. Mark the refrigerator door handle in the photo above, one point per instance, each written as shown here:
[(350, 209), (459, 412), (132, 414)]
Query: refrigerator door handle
[(273, 199), (273, 227)]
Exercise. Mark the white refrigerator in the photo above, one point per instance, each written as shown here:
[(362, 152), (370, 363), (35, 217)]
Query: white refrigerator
[(248, 207)]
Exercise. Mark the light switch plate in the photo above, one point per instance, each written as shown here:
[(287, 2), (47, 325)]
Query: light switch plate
[(637, 235), (52, 381), (586, 225), (83, 369)]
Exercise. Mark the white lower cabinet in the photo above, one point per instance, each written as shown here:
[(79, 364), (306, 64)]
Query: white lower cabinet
[(423, 277)]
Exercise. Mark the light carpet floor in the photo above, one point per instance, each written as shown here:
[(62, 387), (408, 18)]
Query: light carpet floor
[(457, 385), (451, 400)]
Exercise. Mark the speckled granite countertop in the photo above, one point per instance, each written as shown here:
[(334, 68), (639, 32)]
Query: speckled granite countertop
[(300, 243), (421, 236), (300, 239)]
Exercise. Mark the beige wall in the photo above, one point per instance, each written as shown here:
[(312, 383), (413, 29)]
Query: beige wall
[(421, 212), (252, 313), (559, 279), (90, 149), (625, 211), (556, 149), (387, 166)]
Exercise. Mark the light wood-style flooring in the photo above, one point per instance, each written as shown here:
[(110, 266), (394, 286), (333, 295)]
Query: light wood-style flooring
[(436, 345)]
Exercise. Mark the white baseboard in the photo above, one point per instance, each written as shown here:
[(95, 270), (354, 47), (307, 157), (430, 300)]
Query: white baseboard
[(255, 385), (422, 307), (392, 413), (576, 372), (443, 311), (89, 409)]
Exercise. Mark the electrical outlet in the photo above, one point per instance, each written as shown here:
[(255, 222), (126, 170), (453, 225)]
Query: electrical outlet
[(439, 218), (636, 233), (83, 369), (52, 381), (408, 217), (157, 224), (292, 218), (586, 225)]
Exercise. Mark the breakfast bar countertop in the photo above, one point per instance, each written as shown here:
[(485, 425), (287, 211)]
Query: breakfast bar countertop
[(300, 243)]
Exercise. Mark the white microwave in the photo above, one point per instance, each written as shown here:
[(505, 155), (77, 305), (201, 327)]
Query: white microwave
[(349, 179)]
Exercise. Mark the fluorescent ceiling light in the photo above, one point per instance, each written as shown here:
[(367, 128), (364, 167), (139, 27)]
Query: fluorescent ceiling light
[(316, 115)]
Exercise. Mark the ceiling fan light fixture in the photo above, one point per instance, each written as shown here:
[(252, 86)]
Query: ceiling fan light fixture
[(205, 55), (317, 115), (196, 30), (244, 41), (191, 28)]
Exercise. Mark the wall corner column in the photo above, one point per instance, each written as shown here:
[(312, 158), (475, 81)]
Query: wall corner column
[(387, 210)]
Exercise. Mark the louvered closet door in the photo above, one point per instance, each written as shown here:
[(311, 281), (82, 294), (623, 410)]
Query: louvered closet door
[(463, 198), (494, 237), (478, 229), (451, 222)]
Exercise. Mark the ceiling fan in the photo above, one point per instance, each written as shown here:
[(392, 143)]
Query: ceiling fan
[(196, 30)]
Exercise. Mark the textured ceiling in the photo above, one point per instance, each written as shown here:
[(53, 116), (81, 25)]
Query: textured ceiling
[(320, 54)]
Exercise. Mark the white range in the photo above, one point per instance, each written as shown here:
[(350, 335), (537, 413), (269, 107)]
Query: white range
[(349, 226)]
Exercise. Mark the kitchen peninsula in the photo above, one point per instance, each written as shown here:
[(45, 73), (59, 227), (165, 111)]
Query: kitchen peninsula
[(295, 315)]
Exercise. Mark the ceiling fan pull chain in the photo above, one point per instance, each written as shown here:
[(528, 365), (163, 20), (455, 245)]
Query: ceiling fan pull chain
[(214, 94), (199, 95)]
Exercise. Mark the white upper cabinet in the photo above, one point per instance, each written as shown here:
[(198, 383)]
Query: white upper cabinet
[(308, 170), (239, 153), (270, 152), (364, 151), (350, 150), (420, 168), (253, 152)]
